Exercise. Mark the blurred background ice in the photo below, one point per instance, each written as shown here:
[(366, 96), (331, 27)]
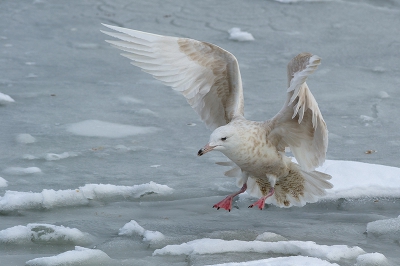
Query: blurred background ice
[(89, 143)]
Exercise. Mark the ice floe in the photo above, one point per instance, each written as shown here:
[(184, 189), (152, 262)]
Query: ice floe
[(367, 180), (22, 170), (387, 228), (49, 198), (79, 256), (43, 233), (133, 228), (4, 98), (3, 182), (237, 35), (270, 237), (25, 138), (305, 248), (97, 128), (282, 261)]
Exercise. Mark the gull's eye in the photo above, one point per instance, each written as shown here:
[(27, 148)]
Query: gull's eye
[(223, 139)]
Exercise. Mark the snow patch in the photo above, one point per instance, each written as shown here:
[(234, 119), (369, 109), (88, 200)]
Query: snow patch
[(387, 227), (364, 181), (305, 248), (282, 261), (133, 228), (97, 128), (237, 35), (4, 99), (49, 198), (22, 170), (372, 259), (43, 233), (270, 237), (25, 138), (3, 182), (79, 256)]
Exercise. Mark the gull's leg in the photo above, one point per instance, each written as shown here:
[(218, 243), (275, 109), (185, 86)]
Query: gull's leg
[(261, 202), (227, 202)]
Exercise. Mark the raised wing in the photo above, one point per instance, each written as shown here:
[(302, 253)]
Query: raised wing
[(299, 124), (205, 74)]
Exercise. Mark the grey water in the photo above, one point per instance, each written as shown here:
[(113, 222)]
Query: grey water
[(56, 66)]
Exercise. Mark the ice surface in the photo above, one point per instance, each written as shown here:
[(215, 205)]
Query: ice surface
[(4, 98), (25, 138), (43, 233), (78, 77), (282, 261), (133, 228), (79, 256), (96, 128), (237, 35), (49, 198), (3, 182), (305, 248)]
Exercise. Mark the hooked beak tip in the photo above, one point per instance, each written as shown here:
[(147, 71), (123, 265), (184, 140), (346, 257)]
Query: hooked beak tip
[(200, 153)]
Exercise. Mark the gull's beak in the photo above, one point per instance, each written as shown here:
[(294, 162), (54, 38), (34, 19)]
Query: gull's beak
[(205, 149)]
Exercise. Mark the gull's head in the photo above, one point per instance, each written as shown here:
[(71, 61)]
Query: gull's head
[(222, 139)]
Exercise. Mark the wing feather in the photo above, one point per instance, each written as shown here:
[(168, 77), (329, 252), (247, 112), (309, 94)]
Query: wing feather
[(299, 124), (206, 75)]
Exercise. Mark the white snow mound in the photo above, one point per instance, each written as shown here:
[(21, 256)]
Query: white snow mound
[(133, 228), (282, 261), (237, 35)]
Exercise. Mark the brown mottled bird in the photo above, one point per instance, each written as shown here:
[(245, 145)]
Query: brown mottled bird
[(209, 79)]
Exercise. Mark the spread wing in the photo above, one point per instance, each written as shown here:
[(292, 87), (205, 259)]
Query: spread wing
[(206, 75), (299, 124)]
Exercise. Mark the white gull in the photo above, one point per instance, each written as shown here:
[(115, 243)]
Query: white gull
[(209, 79)]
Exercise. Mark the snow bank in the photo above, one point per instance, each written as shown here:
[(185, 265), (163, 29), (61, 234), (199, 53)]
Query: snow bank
[(48, 198), (3, 182), (133, 228), (79, 256), (25, 138), (387, 227), (4, 98), (305, 248), (282, 261), (43, 233), (22, 170), (96, 128), (367, 180), (237, 35)]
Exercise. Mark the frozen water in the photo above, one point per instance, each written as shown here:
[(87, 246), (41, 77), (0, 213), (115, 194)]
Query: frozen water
[(237, 35), (56, 66)]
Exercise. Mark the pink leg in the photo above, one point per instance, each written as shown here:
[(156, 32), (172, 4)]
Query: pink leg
[(261, 202), (227, 202)]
